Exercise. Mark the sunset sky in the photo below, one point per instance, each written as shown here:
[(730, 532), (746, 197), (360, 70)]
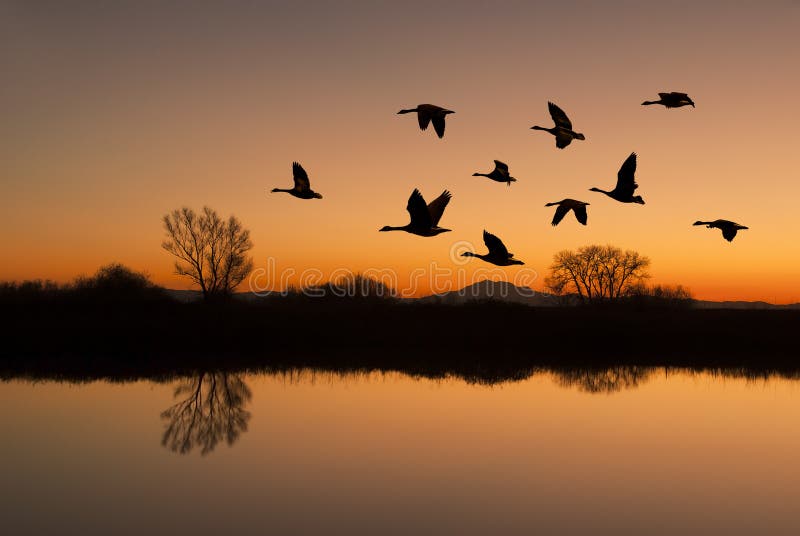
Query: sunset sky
[(115, 113)]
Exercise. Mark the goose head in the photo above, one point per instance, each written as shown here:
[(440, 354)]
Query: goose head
[(638, 199)]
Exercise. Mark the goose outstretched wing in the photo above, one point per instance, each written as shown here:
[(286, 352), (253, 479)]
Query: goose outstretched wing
[(625, 177), (495, 245), (438, 125), (424, 118), (418, 210), (728, 232), (561, 211), (301, 181), (563, 139), (501, 167), (559, 117), (437, 206), (580, 213)]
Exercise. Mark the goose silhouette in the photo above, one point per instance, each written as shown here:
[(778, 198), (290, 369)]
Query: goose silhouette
[(427, 113), (673, 99), (424, 217), (626, 185), (728, 228), (498, 174), (498, 254), (564, 206), (302, 186), (562, 129)]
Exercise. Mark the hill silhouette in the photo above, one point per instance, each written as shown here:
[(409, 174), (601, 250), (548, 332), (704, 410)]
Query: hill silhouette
[(488, 290)]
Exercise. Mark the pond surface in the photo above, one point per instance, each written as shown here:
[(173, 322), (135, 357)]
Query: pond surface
[(624, 451)]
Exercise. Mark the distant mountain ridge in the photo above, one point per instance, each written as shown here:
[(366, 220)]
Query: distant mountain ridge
[(493, 291), (705, 304)]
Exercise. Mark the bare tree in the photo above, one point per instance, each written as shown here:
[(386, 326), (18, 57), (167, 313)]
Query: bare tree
[(210, 251), (597, 273)]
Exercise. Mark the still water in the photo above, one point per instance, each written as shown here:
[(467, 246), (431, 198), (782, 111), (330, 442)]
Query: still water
[(626, 451)]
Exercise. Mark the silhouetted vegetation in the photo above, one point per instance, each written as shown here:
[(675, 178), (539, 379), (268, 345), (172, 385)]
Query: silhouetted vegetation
[(112, 285), (597, 273), (133, 327), (675, 296), (28, 292), (209, 251), (352, 287)]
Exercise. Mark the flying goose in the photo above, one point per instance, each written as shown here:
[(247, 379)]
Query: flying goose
[(564, 206), (302, 187), (673, 99), (626, 185), (562, 129), (427, 113), (424, 218), (498, 254), (727, 227), (499, 173)]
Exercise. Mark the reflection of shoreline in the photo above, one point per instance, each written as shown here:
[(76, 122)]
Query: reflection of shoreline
[(588, 380), (608, 377), (209, 408), (593, 380)]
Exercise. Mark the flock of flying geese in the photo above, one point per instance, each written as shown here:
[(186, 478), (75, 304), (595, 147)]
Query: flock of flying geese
[(425, 216)]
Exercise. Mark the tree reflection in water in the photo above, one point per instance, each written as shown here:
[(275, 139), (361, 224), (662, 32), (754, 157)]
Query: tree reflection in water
[(607, 380), (210, 408)]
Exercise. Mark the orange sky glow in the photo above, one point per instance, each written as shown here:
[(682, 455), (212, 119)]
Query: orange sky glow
[(114, 116)]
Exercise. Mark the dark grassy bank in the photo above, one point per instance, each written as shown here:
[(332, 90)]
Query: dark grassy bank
[(118, 324), (160, 336)]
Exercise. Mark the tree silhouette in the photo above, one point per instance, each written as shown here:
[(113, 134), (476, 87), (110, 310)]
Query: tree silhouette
[(212, 409), (662, 295), (597, 273), (209, 251), (115, 283)]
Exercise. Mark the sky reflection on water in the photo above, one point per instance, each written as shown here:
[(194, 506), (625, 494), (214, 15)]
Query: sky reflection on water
[(625, 450)]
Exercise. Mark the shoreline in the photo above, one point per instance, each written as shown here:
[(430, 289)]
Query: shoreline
[(482, 339)]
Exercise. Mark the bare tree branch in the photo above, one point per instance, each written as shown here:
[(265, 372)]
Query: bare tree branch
[(209, 251)]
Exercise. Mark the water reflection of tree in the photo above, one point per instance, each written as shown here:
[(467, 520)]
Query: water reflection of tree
[(609, 380), (210, 407)]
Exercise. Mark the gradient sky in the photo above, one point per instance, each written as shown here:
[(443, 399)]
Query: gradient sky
[(113, 114)]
